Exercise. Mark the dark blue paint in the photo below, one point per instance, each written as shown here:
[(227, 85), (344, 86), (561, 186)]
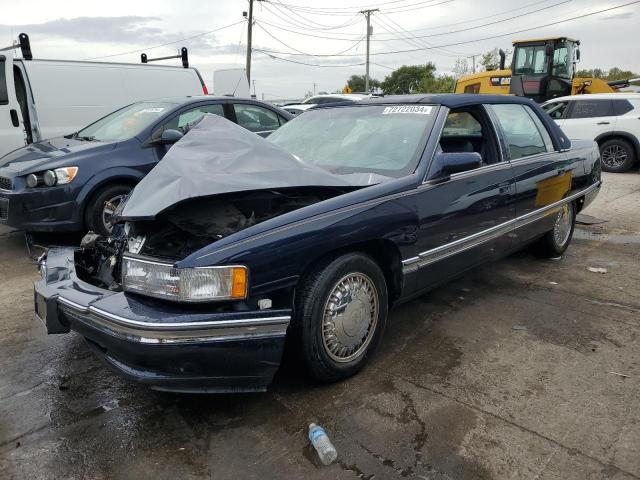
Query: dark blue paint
[(393, 221)]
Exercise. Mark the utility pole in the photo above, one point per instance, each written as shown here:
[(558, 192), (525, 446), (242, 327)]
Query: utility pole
[(314, 88), (367, 13), (254, 89), (473, 59), (249, 28)]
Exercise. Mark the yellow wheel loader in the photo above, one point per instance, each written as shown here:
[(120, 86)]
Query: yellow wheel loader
[(540, 69)]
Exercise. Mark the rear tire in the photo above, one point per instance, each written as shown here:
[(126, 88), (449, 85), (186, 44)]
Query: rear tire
[(556, 241), (102, 205), (617, 155), (340, 314)]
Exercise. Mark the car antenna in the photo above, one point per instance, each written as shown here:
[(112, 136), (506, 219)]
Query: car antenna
[(184, 55)]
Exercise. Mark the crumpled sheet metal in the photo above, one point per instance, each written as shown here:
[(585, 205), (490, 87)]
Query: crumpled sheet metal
[(217, 156)]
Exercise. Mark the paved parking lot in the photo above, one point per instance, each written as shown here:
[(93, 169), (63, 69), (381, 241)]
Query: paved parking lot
[(523, 369)]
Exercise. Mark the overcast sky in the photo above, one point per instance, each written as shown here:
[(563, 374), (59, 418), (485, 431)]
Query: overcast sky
[(74, 29)]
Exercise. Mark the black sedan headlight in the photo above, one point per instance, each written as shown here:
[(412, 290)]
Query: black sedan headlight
[(49, 178)]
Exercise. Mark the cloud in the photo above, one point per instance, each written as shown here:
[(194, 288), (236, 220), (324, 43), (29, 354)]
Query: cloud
[(129, 30), (619, 16)]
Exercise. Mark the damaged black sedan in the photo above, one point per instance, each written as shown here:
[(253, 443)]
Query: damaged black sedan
[(234, 243)]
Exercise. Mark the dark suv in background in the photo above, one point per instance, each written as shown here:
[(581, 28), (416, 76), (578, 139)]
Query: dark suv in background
[(76, 182)]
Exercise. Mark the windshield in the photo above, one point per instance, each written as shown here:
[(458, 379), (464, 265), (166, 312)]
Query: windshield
[(531, 60), (370, 138), (125, 123)]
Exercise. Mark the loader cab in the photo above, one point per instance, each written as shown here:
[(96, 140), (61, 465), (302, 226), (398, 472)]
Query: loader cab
[(544, 69)]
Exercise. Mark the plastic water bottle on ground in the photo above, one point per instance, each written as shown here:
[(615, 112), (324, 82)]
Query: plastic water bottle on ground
[(322, 444)]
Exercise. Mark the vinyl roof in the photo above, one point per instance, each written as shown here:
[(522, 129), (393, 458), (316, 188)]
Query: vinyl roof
[(451, 100)]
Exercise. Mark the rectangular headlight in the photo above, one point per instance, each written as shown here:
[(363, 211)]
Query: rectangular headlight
[(202, 284)]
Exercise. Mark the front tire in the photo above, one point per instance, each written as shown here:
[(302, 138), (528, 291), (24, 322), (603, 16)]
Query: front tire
[(556, 241), (340, 314), (617, 155), (102, 206)]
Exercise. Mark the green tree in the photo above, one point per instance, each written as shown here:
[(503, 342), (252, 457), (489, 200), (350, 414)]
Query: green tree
[(438, 84), (407, 79), (490, 60), (614, 73), (357, 83)]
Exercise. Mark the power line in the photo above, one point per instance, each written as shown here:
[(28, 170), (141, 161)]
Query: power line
[(439, 26), (413, 39), (500, 35), (450, 32), (399, 9), (345, 8), (169, 43), (514, 32), (356, 43), (388, 22), (270, 55)]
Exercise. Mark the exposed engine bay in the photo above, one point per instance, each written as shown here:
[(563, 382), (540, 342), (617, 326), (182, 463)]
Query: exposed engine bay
[(187, 227)]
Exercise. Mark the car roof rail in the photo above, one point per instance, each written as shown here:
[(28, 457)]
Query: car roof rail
[(24, 44), (183, 55)]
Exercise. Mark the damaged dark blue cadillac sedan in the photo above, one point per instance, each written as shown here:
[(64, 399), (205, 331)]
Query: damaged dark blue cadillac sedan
[(234, 243)]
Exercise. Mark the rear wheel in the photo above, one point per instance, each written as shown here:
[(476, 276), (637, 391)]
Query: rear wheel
[(341, 311), (617, 155), (102, 207), (555, 242)]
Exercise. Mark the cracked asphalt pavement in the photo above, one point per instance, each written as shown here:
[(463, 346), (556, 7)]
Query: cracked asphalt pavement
[(522, 369)]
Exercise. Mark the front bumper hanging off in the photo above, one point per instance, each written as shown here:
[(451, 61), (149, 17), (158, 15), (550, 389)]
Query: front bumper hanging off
[(166, 346)]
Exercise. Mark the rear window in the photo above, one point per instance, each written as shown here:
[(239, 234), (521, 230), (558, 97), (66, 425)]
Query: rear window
[(590, 109), (620, 107), (4, 94)]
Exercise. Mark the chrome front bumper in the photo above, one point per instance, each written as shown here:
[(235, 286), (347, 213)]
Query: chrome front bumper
[(166, 346)]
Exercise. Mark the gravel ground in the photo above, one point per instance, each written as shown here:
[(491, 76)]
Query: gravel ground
[(523, 369)]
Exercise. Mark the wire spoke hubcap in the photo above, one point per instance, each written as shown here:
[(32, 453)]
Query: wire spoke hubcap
[(109, 209), (350, 317), (562, 227), (614, 156)]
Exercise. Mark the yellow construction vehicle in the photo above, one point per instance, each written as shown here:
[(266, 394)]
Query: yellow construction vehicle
[(541, 69)]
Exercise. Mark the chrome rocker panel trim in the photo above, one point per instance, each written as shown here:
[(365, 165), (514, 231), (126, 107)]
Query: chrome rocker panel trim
[(428, 257)]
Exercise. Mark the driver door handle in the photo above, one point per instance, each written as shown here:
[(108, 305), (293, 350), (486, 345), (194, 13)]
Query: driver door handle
[(603, 123)]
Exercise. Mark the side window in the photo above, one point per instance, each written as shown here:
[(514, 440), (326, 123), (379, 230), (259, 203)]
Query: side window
[(620, 107), (4, 93), (556, 110), (461, 123), (255, 118), (542, 129), (522, 134), (181, 121), (591, 109), (473, 88)]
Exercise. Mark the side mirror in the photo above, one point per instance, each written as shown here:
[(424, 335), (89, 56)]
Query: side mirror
[(548, 50), (170, 136), (578, 55), (445, 164)]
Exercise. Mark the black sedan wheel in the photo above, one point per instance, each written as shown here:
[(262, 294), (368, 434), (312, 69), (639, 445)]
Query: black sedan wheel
[(555, 242), (617, 155), (341, 311), (103, 206)]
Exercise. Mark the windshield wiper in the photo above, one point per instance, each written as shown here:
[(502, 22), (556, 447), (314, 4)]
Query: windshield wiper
[(71, 135), (87, 139)]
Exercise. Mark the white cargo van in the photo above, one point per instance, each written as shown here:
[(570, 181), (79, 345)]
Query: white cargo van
[(41, 99)]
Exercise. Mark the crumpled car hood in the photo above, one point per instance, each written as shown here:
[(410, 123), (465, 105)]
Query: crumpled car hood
[(217, 156)]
